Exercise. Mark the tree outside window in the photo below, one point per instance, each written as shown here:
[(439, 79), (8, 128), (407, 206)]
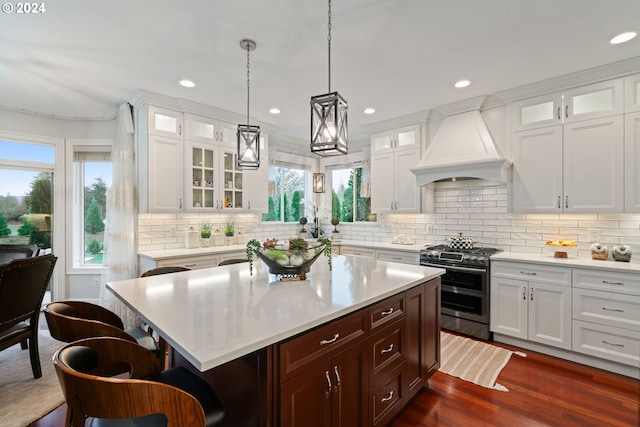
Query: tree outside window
[(350, 194), (286, 192)]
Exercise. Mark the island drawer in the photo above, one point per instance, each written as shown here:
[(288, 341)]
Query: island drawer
[(302, 351), (387, 397), (387, 311), (612, 281), (386, 350), (607, 308), (616, 344)]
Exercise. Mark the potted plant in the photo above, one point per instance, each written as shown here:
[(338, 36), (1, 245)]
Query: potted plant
[(303, 221), (205, 232), (229, 231), (335, 221), (229, 228)]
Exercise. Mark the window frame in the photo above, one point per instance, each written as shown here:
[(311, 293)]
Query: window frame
[(350, 161), (293, 161), (75, 192)]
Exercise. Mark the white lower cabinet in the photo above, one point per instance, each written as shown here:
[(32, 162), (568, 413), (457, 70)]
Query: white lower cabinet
[(606, 315), (532, 303), (358, 251), (392, 255)]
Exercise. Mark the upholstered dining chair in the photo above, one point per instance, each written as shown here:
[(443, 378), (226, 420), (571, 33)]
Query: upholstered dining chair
[(74, 320), (229, 261), (90, 374), (9, 252), (164, 270), (23, 283)]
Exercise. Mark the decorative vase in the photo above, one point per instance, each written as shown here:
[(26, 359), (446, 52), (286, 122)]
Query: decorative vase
[(622, 253), (599, 251)]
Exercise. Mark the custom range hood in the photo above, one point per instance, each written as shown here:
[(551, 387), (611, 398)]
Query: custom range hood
[(462, 148)]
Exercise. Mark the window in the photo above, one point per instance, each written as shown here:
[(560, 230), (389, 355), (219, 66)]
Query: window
[(350, 194), (26, 183), (286, 192), (91, 181)]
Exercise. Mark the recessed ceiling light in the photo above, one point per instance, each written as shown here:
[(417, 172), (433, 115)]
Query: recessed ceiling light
[(624, 37), (462, 83), (369, 110), (187, 83), (274, 110)]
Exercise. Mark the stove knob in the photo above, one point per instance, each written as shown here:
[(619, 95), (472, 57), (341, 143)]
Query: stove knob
[(474, 259), (482, 260), (433, 254), (466, 258)]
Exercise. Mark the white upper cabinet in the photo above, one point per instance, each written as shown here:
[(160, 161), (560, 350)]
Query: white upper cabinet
[(160, 159), (632, 162), (165, 122), (393, 185), (576, 167), (632, 93), (213, 179), (586, 102)]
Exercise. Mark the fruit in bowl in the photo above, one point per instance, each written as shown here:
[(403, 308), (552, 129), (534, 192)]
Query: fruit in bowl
[(288, 258)]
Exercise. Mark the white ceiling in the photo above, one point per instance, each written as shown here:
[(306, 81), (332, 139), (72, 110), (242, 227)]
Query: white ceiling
[(83, 58)]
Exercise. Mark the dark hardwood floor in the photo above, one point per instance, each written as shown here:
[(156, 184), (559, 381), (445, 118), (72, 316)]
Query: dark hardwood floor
[(543, 391)]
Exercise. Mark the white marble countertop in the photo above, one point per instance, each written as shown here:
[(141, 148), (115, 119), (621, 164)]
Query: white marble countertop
[(184, 252), (215, 315), (213, 250), (384, 245), (632, 267)]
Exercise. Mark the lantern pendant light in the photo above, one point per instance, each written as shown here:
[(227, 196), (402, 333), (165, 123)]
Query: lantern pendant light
[(248, 136), (318, 182), (329, 117)]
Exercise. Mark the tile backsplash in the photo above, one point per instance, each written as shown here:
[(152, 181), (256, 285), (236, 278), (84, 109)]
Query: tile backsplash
[(477, 209)]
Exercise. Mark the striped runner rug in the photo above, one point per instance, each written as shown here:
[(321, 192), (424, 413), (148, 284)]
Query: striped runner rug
[(473, 361)]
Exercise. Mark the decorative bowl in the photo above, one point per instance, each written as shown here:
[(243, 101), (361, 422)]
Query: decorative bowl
[(290, 263)]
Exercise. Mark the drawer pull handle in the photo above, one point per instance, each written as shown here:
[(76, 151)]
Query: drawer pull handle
[(387, 350), (189, 265), (606, 282), (387, 312), (613, 344), (330, 341), (335, 370), (387, 397), (326, 374), (619, 310), (524, 293), (526, 273)]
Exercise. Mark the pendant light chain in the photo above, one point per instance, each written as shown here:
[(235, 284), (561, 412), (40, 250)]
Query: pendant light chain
[(329, 43), (248, 75)]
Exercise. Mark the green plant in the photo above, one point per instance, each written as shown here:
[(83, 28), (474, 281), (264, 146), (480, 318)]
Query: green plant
[(302, 222), (93, 222), (205, 230), (327, 249), (335, 221), (94, 247), (298, 244), (25, 228), (252, 246), (229, 228), (4, 228)]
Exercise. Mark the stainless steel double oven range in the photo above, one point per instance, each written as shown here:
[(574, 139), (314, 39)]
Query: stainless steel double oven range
[(465, 288)]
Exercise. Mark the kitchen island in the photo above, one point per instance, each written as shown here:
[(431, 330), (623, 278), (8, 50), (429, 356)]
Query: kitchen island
[(228, 323)]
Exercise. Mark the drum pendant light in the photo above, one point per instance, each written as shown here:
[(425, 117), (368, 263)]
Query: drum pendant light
[(248, 136), (329, 117)]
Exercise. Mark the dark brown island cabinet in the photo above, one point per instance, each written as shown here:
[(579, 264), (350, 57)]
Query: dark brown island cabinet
[(361, 369)]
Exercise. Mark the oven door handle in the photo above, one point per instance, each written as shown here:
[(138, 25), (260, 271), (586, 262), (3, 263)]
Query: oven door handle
[(451, 268)]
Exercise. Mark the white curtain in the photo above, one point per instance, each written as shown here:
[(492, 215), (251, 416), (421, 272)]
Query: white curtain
[(120, 253)]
